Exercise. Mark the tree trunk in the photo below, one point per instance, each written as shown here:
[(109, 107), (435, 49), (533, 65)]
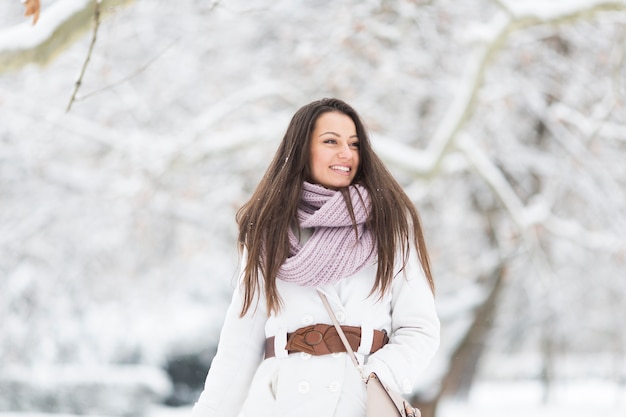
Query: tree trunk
[(460, 376)]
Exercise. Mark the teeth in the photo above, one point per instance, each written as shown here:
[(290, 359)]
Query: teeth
[(341, 168)]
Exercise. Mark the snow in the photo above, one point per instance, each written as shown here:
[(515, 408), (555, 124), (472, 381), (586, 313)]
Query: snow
[(517, 399), (101, 390), (491, 399)]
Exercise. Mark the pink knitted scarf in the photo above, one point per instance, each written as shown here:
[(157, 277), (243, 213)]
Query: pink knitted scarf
[(333, 251)]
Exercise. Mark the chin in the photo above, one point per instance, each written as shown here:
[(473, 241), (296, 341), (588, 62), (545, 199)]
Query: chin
[(337, 186), (334, 185)]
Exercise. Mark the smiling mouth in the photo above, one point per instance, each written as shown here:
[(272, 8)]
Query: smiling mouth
[(340, 168)]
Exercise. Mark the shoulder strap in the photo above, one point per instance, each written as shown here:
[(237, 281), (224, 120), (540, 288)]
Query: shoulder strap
[(342, 335)]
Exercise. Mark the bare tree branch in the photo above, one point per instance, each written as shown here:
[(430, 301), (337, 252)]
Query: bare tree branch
[(128, 77), (94, 36)]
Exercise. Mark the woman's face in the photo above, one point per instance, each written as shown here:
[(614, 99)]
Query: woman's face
[(334, 151)]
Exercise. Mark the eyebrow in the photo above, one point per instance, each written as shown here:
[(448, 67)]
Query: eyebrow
[(336, 134)]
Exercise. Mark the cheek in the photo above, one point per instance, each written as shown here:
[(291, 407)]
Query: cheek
[(313, 158), (318, 158), (315, 162), (357, 162)]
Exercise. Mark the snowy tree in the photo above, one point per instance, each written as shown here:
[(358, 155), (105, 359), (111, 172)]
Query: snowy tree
[(503, 120)]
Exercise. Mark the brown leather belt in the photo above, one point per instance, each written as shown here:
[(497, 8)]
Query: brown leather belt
[(322, 339)]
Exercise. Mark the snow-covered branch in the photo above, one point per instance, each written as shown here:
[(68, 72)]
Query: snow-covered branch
[(572, 230), (537, 214), (536, 11), (59, 26), (587, 125), (518, 16), (493, 176)]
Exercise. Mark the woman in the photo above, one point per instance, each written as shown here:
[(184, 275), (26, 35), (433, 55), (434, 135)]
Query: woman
[(327, 215)]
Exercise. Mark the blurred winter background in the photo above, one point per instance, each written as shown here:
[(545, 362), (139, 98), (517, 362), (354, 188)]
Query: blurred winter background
[(505, 121)]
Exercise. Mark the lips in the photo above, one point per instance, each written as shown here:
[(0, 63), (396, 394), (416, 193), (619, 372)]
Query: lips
[(341, 168)]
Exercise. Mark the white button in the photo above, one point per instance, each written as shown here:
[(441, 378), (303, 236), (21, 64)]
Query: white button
[(304, 355), (308, 319), (304, 387), (407, 386), (341, 316), (334, 386)]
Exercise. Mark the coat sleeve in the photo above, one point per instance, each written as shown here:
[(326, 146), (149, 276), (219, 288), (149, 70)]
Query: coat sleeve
[(239, 353), (415, 329)]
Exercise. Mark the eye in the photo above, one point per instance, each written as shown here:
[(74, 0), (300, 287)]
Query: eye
[(355, 145), (330, 141)]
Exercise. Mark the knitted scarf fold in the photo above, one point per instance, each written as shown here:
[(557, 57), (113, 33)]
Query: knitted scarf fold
[(333, 251)]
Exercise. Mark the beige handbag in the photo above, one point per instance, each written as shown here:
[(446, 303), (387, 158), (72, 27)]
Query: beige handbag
[(380, 401)]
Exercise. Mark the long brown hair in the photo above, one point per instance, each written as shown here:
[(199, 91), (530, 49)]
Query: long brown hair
[(264, 221)]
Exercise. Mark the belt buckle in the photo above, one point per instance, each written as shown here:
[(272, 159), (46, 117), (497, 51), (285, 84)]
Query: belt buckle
[(313, 337), (309, 339)]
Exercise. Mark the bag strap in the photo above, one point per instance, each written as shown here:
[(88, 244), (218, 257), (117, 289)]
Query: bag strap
[(342, 335), (409, 411)]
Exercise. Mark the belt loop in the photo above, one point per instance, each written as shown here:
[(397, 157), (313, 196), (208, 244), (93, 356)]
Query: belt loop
[(280, 342), (367, 339)]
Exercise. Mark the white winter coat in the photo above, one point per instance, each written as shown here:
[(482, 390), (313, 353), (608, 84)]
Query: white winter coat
[(241, 383)]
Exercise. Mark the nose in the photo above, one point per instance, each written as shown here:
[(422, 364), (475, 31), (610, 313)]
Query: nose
[(344, 151)]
